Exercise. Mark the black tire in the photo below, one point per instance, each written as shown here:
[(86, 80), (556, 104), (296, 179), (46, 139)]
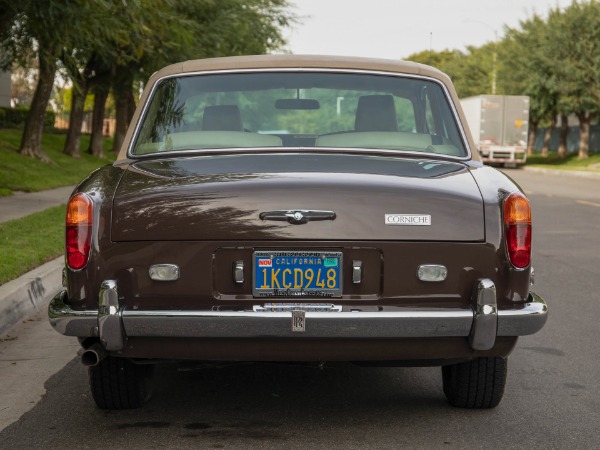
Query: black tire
[(477, 384), (117, 383)]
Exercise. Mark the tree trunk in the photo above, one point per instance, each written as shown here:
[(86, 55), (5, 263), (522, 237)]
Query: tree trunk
[(97, 139), (31, 141), (547, 136), (130, 106), (75, 120), (533, 125), (122, 107), (584, 136), (564, 130)]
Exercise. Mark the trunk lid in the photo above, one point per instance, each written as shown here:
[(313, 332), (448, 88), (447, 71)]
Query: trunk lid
[(222, 198)]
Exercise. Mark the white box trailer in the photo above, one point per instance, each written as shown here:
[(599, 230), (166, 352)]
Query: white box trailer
[(499, 126)]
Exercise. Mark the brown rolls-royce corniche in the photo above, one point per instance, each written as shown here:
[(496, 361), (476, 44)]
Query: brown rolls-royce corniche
[(298, 208)]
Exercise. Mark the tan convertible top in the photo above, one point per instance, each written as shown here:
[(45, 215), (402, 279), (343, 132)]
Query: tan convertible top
[(299, 62)]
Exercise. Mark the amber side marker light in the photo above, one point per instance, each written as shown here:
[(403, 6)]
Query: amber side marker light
[(78, 231), (517, 226)]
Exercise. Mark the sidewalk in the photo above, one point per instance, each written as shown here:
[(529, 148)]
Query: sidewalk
[(22, 204), (32, 291)]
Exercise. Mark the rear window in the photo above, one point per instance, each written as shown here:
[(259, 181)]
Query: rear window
[(288, 109)]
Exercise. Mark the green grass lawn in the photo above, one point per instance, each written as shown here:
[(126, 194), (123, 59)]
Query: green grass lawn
[(31, 241), (592, 164), (21, 173)]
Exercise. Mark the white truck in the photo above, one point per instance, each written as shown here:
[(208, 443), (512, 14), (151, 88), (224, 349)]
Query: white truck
[(499, 126)]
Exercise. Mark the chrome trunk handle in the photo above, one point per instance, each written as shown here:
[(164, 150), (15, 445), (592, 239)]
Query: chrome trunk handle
[(297, 216)]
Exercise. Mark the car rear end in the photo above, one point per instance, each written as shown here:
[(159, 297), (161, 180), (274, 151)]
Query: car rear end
[(318, 234)]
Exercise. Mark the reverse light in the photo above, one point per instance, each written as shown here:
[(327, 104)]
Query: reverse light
[(517, 228), (78, 231)]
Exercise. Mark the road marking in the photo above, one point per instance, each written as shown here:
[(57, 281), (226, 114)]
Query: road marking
[(585, 202)]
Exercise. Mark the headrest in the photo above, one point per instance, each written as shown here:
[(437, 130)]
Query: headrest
[(376, 113), (222, 118)]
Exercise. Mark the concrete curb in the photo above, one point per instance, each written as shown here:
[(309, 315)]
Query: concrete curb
[(565, 173), (29, 293)]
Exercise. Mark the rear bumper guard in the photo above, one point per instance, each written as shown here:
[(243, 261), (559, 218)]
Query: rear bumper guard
[(480, 323)]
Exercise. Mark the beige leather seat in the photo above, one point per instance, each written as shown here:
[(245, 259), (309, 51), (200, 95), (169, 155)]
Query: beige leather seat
[(376, 113)]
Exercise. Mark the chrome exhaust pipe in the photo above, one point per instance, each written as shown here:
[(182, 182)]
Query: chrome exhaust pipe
[(93, 355)]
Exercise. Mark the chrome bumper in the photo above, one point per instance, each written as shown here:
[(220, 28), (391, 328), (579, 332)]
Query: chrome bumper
[(480, 324)]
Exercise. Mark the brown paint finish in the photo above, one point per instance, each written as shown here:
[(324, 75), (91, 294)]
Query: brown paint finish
[(202, 213), (215, 198)]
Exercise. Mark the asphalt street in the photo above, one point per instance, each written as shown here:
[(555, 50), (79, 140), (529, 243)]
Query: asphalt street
[(552, 398)]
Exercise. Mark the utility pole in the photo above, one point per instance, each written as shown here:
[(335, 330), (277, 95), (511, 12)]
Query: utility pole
[(494, 52)]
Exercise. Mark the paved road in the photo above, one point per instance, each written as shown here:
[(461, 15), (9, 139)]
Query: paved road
[(552, 398)]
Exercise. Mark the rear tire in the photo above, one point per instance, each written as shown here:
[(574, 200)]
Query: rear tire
[(117, 383), (476, 384)]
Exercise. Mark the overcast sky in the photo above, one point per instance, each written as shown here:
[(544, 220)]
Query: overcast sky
[(397, 28)]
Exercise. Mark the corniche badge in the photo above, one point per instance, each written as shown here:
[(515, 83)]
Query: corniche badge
[(408, 219)]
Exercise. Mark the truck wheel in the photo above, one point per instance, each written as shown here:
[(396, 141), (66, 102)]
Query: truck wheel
[(475, 384), (117, 383)]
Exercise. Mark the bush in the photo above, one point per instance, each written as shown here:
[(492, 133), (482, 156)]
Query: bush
[(15, 117)]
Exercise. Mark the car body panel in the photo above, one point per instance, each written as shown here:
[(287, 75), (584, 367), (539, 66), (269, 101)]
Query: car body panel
[(217, 198), (200, 212)]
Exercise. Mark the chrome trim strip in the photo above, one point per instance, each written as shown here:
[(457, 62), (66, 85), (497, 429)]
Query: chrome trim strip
[(528, 319), (522, 320), (448, 97), (402, 323), (269, 307), (433, 157), (297, 216), (485, 321), (70, 322), (109, 317)]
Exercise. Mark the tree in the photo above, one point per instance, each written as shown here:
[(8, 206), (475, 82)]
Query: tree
[(526, 65), (575, 37), (162, 32), (471, 72), (46, 28), (24, 80), (204, 29)]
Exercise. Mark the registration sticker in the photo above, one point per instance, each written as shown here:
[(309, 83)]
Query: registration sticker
[(297, 274)]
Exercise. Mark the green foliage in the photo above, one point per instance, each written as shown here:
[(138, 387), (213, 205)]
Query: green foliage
[(125, 41), (471, 72), (15, 118), (553, 60), (64, 98), (574, 38), (20, 173), (31, 241)]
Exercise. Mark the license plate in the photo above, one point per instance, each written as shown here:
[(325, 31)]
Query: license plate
[(297, 274)]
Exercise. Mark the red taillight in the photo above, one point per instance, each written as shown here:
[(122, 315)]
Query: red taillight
[(78, 231), (517, 227)]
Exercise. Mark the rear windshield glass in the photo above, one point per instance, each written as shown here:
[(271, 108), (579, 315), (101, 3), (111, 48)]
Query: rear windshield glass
[(286, 109)]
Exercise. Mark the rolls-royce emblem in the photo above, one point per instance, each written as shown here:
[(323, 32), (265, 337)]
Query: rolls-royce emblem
[(297, 216)]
